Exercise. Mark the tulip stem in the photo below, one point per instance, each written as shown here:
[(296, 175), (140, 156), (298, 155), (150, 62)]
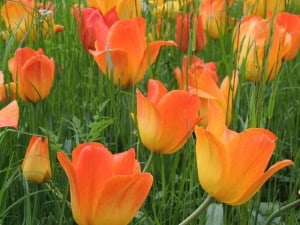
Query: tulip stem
[(148, 161), (203, 206), (281, 210)]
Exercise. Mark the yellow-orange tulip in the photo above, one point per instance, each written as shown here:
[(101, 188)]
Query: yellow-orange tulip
[(214, 16), (289, 25), (36, 165), (201, 79), (125, 58), (125, 8), (34, 73), (105, 188), (166, 119), (24, 19), (9, 115), (257, 44), (231, 166), (263, 8)]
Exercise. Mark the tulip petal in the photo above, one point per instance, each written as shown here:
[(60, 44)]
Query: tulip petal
[(248, 164), (149, 121), (212, 161), (124, 162), (9, 115), (156, 90), (73, 181), (133, 43), (123, 196), (93, 167), (179, 110), (258, 184), (21, 55)]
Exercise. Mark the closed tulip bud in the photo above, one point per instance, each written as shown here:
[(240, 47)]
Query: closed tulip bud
[(91, 22), (186, 24), (105, 188), (36, 164), (34, 73)]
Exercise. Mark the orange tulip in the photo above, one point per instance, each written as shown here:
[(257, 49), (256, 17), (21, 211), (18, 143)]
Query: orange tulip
[(9, 115), (231, 166), (184, 27), (289, 25), (33, 72), (214, 16), (92, 22), (36, 165), (263, 8), (125, 58), (125, 8), (257, 44), (166, 119), (105, 188), (24, 19), (201, 79)]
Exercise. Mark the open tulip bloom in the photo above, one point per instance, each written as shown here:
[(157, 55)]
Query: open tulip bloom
[(166, 119), (105, 188), (231, 166), (201, 79), (126, 58)]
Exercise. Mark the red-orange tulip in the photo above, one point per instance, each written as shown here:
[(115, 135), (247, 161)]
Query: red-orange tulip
[(36, 165), (33, 72), (92, 22), (257, 44), (185, 24), (9, 115), (214, 15), (289, 25), (105, 188), (231, 166), (263, 8), (166, 119), (124, 8), (201, 79), (24, 19), (125, 58)]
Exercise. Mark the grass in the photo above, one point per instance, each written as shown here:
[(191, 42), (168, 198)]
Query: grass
[(85, 106)]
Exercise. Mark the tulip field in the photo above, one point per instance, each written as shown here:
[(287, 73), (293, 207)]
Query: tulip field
[(149, 112)]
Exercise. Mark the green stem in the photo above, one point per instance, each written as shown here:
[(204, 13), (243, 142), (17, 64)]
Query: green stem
[(203, 206), (148, 161), (281, 210)]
